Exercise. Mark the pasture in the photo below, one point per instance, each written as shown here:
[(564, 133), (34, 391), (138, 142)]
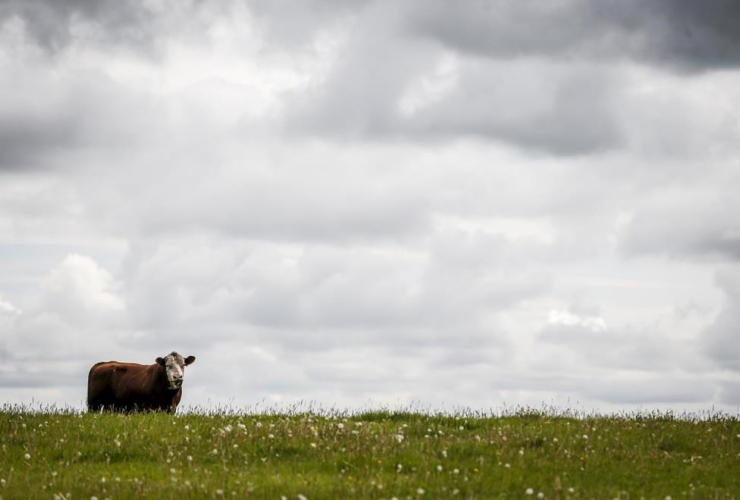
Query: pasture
[(385, 454)]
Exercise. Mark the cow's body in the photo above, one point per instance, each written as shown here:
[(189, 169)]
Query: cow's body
[(127, 387)]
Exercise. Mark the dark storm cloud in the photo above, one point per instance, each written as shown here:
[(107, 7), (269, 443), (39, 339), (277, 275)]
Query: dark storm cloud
[(684, 33), (50, 23)]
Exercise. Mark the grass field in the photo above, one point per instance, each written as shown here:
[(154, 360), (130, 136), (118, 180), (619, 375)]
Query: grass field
[(525, 454)]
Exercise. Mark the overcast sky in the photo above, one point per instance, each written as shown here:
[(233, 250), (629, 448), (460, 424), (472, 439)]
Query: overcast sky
[(361, 203)]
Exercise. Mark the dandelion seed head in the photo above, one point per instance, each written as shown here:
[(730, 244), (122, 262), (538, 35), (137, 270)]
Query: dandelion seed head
[(27, 456)]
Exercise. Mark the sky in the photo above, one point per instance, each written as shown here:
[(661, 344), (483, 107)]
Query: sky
[(480, 204)]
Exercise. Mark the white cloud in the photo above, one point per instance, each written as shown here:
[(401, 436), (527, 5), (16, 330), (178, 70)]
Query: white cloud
[(593, 323)]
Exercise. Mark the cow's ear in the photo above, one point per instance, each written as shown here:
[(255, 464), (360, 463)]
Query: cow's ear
[(189, 360), (160, 361)]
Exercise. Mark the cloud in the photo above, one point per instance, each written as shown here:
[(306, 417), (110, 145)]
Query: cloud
[(709, 227), (534, 106), (682, 35), (594, 323), (56, 25), (415, 91), (720, 339)]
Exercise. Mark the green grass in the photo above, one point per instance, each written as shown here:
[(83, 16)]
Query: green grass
[(65, 454)]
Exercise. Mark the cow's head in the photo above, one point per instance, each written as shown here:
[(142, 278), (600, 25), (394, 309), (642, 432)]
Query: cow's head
[(174, 366)]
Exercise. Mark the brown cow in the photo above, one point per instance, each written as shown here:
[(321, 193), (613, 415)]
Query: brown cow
[(127, 387)]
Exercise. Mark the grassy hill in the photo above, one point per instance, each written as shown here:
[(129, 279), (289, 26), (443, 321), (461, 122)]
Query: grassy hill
[(376, 455)]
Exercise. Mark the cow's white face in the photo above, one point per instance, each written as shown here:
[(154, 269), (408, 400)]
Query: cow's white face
[(174, 366)]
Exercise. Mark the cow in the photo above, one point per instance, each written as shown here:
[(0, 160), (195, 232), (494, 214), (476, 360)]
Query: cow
[(129, 387)]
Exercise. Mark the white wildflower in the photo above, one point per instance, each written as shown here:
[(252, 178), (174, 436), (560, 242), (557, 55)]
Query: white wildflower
[(27, 456), (399, 438), (439, 468), (420, 491), (529, 491)]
